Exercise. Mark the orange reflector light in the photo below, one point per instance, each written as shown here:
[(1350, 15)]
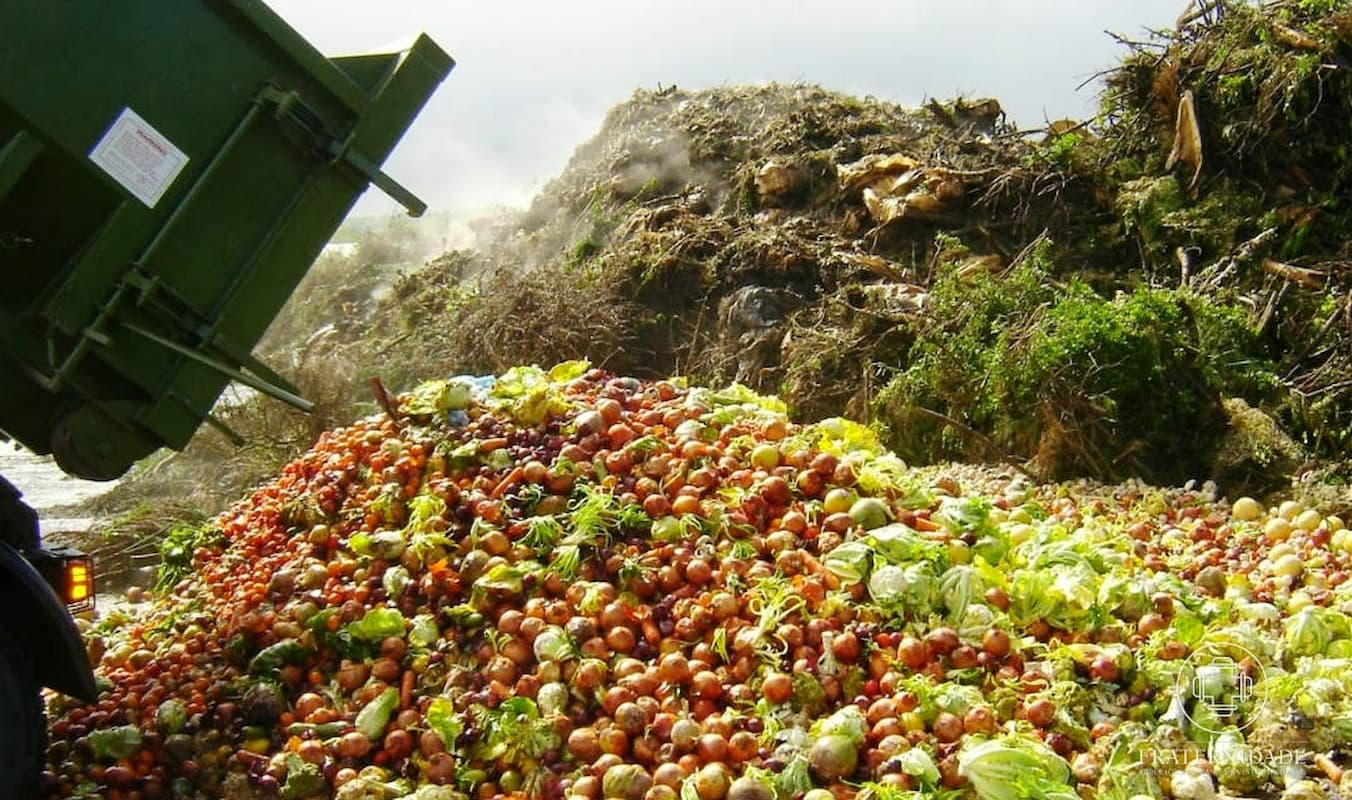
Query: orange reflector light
[(78, 583)]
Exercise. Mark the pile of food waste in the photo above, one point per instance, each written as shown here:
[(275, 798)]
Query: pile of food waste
[(564, 583)]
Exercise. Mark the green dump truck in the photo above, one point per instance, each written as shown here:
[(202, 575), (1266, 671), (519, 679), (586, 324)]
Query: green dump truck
[(168, 173)]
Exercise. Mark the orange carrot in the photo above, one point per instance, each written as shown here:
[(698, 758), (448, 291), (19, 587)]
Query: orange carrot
[(511, 479), (406, 688), (1332, 770), (495, 443)]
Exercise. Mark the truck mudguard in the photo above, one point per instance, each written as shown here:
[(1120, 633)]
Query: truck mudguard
[(39, 620)]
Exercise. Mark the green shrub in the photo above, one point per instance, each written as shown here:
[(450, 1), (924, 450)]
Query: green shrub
[(1019, 366)]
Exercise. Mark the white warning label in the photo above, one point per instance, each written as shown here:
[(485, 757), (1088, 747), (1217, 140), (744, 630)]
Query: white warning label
[(138, 157)]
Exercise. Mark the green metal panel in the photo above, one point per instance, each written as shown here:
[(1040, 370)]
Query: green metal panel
[(133, 294)]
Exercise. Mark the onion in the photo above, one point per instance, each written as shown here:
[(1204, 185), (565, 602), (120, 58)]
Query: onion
[(748, 788), (712, 782), (353, 745), (626, 782), (440, 768), (833, 758)]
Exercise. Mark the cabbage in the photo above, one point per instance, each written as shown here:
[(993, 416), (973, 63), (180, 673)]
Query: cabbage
[(918, 764), (438, 397), (921, 589), (1015, 767), (375, 715), (1237, 766), (1122, 777), (1307, 633), (552, 698), (964, 514), (1030, 596), (553, 644), (529, 395), (692, 429), (887, 585), (378, 624), (424, 632), (303, 779), (959, 587), (957, 698), (903, 589), (848, 722), (1125, 595), (111, 744), (505, 579), (441, 717), (838, 436), (171, 716), (736, 395), (850, 561), (978, 619), (794, 779), (902, 545), (1063, 595), (870, 513), (1261, 613), (396, 581)]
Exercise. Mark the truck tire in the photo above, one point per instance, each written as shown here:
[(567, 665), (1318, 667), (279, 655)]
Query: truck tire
[(23, 725)]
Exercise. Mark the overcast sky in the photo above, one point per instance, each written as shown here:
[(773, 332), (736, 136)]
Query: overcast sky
[(534, 79)]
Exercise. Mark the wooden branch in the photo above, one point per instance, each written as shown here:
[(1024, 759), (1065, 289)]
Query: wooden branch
[(1309, 278), (978, 436), (384, 401)]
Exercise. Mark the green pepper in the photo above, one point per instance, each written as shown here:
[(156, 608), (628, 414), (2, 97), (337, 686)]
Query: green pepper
[(464, 616), (325, 730), (273, 657), (1141, 712), (375, 715)]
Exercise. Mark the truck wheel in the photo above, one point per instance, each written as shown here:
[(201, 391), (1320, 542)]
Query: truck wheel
[(23, 725)]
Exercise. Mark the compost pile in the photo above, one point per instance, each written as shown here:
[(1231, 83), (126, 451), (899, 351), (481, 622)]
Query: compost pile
[(565, 583), (1162, 291)]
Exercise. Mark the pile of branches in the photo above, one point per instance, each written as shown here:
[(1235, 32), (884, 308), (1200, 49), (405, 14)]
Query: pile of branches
[(1256, 100)]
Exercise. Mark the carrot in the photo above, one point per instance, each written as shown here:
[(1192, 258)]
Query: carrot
[(1332, 770), (406, 688), (511, 479), (495, 443), (814, 564)]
